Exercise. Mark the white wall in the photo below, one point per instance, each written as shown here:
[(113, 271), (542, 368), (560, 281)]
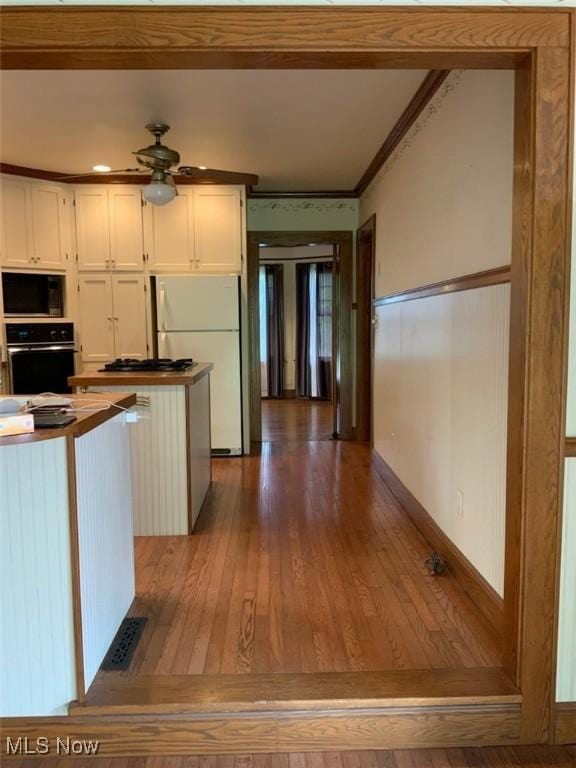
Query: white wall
[(566, 674), (443, 206), (444, 199), (440, 402)]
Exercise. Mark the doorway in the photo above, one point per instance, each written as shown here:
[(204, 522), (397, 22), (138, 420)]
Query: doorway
[(365, 243), (297, 342), (299, 305)]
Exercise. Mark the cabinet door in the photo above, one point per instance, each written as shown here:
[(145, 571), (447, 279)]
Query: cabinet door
[(15, 223), (217, 228), (129, 303), (126, 239), (47, 204), (171, 231), (96, 318), (92, 228)]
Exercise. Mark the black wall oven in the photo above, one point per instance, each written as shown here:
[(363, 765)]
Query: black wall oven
[(41, 357), (28, 295)]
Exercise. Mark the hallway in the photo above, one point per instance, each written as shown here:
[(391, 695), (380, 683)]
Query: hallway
[(296, 419), (302, 561)]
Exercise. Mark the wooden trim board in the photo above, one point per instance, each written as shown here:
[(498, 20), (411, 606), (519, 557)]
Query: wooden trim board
[(197, 177), (195, 694), (426, 91), (571, 447), (213, 734), (474, 584), (565, 723), (365, 276), (471, 282)]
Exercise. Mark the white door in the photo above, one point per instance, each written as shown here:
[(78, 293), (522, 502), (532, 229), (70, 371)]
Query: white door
[(171, 233), (218, 232), (15, 222), (222, 348), (47, 205), (126, 237), (92, 228), (96, 318), (197, 303), (129, 304)]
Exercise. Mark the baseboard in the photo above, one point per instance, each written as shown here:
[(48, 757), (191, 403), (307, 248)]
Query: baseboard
[(565, 723), (289, 394), (166, 735), (471, 580)]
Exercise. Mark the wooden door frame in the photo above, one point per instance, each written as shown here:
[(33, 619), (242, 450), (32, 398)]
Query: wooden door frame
[(364, 331), (343, 258), (539, 44)]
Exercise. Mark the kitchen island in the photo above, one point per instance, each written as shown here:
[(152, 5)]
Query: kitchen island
[(66, 554), (170, 444)]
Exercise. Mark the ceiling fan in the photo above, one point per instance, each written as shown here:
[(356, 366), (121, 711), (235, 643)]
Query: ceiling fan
[(159, 160)]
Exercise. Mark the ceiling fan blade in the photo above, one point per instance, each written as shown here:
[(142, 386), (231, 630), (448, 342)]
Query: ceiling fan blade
[(215, 176), (103, 173)]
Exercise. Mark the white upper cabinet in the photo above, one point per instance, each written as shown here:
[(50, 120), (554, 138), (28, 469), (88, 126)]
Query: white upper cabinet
[(92, 228), (109, 228), (15, 218), (129, 304), (48, 249), (170, 234), (218, 230), (96, 318), (126, 236), (34, 224)]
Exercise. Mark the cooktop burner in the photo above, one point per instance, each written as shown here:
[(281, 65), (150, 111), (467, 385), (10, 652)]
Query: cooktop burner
[(154, 364)]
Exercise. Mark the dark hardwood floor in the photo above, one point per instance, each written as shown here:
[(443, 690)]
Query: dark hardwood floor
[(302, 561), (500, 757), (296, 419)]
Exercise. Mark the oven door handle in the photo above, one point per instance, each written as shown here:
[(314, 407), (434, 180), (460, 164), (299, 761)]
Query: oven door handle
[(55, 348)]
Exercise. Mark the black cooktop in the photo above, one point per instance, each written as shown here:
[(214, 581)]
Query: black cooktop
[(153, 364)]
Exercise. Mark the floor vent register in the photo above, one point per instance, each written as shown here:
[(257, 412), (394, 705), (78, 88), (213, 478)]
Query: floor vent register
[(122, 649)]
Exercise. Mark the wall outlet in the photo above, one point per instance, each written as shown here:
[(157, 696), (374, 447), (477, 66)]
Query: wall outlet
[(460, 503)]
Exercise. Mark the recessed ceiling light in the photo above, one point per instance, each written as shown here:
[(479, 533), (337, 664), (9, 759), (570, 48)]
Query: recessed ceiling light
[(101, 168)]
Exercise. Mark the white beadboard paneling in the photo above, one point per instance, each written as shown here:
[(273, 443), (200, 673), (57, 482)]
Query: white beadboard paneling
[(159, 477), (566, 675), (37, 675), (440, 404), (105, 534)]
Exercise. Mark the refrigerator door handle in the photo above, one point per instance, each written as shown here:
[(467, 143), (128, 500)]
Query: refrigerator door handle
[(162, 306), (163, 344)]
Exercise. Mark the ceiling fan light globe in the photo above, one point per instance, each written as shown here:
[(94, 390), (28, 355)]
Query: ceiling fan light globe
[(158, 193)]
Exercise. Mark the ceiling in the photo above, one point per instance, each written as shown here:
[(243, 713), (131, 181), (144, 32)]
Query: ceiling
[(298, 130)]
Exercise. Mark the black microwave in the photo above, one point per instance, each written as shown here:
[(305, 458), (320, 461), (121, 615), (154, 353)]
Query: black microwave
[(28, 295)]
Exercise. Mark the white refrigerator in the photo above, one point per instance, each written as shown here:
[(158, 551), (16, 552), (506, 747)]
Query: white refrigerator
[(199, 317)]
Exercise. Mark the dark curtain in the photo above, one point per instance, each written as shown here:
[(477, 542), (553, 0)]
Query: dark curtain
[(324, 327), (275, 330), (303, 370), (314, 366)]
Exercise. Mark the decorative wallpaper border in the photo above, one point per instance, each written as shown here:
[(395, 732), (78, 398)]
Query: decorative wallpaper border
[(298, 206), (450, 85)]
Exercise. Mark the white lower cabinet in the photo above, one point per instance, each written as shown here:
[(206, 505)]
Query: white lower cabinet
[(112, 317)]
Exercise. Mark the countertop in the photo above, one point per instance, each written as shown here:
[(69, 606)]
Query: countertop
[(150, 378), (85, 421)]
